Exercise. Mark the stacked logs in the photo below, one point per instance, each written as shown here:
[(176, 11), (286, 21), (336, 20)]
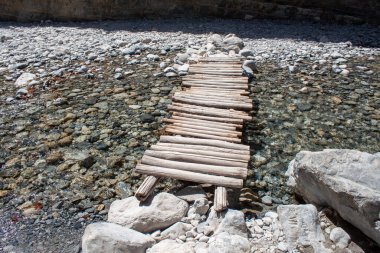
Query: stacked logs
[(207, 121)]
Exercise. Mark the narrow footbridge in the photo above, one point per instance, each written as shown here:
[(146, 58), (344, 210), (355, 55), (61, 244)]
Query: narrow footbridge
[(203, 140)]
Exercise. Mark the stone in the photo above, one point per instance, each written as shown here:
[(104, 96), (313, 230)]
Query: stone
[(228, 243), (232, 40), (300, 224), (340, 237), (176, 230), (157, 212), (24, 80), (184, 68), (233, 222), (182, 57), (267, 200), (346, 180), (84, 158), (191, 193), (199, 207), (107, 237), (216, 40), (153, 57), (251, 64), (123, 190), (172, 246), (246, 52)]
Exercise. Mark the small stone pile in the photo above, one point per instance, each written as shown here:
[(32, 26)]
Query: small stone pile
[(186, 223)]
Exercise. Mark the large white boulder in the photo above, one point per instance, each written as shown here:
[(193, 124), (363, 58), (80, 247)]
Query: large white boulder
[(108, 237), (300, 224), (346, 180), (157, 212), (172, 246), (228, 243)]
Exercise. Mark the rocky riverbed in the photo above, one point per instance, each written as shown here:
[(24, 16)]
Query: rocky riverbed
[(92, 95)]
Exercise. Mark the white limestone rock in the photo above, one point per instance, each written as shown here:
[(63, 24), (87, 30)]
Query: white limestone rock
[(172, 246), (157, 212), (176, 230), (300, 224), (228, 243), (24, 80), (108, 237), (346, 180), (340, 237)]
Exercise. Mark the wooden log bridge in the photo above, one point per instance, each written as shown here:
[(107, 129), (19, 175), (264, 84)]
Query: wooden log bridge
[(204, 134)]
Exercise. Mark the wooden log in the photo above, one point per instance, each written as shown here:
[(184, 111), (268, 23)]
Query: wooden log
[(200, 135), (205, 122), (146, 188), (211, 118), (204, 147), (196, 77), (209, 126), (214, 86), (216, 97), (232, 92), (211, 109), (217, 73), (216, 81), (210, 152), (213, 77), (224, 133), (235, 172), (213, 143), (210, 103), (208, 113), (220, 199), (189, 176), (193, 158)]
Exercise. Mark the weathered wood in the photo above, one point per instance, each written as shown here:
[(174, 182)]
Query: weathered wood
[(208, 142), (207, 128), (193, 158), (212, 97), (202, 135), (189, 176), (215, 104), (232, 134), (146, 188), (212, 109), (235, 172), (211, 124), (210, 118), (200, 125), (205, 147), (220, 199), (214, 86), (206, 112), (211, 152)]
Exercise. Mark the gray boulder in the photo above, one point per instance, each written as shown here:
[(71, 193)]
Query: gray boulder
[(233, 222), (107, 237), (191, 193), (300, 224), (246, 52), (346, 180), (157, 212), (232, 40), (216, 40), (340, 237)]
